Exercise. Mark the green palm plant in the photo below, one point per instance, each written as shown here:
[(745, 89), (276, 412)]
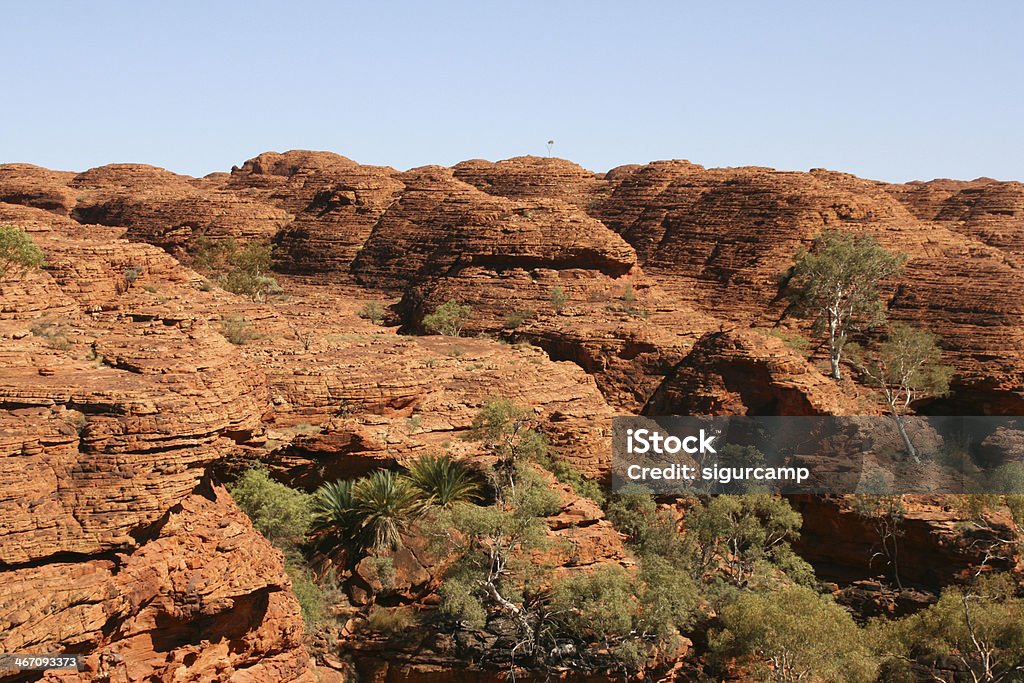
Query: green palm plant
[(334, 508), (385, 503), (444, 481)]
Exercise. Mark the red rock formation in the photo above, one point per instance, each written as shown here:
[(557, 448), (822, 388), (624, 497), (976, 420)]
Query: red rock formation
[(111, 408), (202, 597), (440, 224), (748, 372), (38, 187), (334, 201), (532, 177)]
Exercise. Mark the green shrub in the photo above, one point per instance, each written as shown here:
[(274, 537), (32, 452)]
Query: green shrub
[(558, 298), (372, 311), (794, 634), (599, 605), (18, 251), (517, 318), (443, 481), (978, 625), (280, 513), (628, 295), (391, 621), (448, 319), (567, 474), (244, 271), (793, 340)]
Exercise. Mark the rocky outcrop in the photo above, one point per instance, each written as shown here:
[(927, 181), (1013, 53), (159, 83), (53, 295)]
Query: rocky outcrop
[(532, 177), (168, 210), (202, 597), (112, 406), (749, 372), (722, 240), (37, 187), (442, 225), (935, 547), (334, 201)]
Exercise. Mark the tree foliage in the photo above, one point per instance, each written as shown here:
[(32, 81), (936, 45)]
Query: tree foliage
[(836, 283), (240, 270), (794, 634), (906, 367), (18, 251), (280, 513), (980, 626), (448, 319)]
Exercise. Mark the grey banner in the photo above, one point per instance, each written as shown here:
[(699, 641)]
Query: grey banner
[(819, 455)]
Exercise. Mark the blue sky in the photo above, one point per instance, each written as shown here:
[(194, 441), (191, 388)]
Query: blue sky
[(887, 90)]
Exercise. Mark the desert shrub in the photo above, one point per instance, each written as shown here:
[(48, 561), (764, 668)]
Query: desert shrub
[(558, 298), (628, 295), (244, 271), (494, 566), (131, 274), (626, 614), (251, 285), (567, 474), (508, 430), (372, 311), (599, 605), (18, 251), (448, 319), (516, 319), (793, 340), (238, 331), (280, 513), (311, 596), (742, 536), (793, 634), (443, 481), (383, 567), (391, 621), (55, 334)]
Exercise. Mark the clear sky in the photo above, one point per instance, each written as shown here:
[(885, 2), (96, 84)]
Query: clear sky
[(893, 90)]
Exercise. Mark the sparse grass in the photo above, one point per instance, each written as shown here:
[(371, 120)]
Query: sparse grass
[(796, 342), (56, 335), (455, 351), (238, 331)]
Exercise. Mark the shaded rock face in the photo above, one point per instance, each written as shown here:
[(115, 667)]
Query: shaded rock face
[(741, 372), (37, 187), (933, 550)]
